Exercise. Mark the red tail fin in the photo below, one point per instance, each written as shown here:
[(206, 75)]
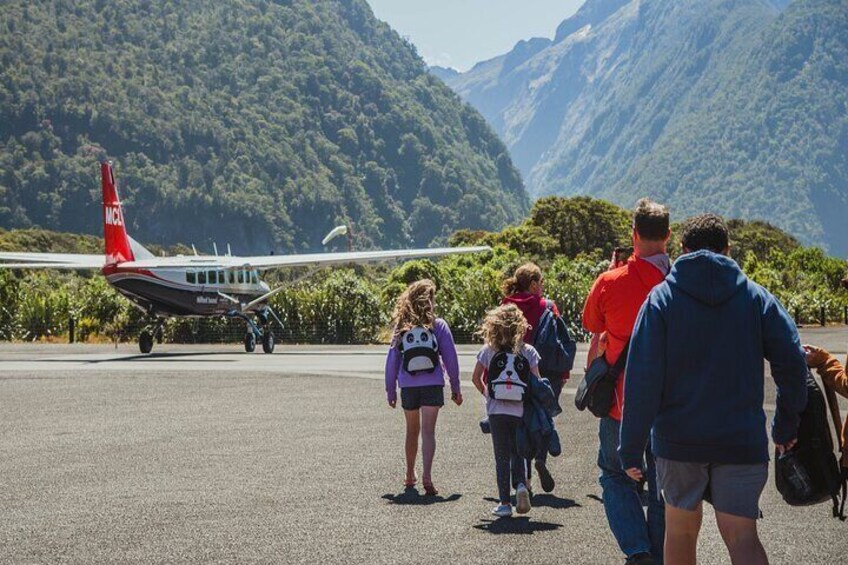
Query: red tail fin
[(118, 247)]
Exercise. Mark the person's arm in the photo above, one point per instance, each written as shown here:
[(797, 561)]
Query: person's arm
[(393, 361), (477, 377), (644, 378), (447, 350), (831, 371), (782, 348), (593, 315)]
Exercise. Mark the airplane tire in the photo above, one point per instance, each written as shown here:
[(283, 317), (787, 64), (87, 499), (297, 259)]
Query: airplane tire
[(145, 342), (268, 342), (249, 342)]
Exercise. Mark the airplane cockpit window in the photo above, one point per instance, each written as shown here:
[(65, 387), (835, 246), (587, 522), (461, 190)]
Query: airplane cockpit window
[(191, 277), (201, 277)]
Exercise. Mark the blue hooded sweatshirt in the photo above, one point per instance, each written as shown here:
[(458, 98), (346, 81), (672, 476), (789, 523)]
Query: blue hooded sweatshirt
[(694, 376)]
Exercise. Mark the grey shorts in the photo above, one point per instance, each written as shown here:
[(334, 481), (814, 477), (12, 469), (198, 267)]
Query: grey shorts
[(731, 489)]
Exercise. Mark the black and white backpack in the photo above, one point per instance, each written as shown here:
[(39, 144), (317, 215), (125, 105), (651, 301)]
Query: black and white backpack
[(420, 350), (508, 376)]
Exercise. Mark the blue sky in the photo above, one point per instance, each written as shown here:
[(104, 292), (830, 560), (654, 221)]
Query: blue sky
[(459, 33)]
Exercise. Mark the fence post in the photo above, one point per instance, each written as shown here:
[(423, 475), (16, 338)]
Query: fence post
[(823, 316), (72, 326)]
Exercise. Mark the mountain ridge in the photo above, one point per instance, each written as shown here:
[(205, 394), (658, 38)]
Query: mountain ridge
[(616, 107)]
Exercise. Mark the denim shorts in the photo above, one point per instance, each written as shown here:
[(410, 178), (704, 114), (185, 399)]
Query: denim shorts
[(413, 398), (731, 489)]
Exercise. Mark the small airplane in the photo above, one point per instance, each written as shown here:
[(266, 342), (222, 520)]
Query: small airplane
[(195, 285)]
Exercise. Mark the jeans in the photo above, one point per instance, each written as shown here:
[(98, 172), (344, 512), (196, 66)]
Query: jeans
[(507, 461), (622, 500)]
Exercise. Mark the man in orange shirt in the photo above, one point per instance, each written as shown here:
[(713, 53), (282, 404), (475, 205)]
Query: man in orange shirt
[(611, 309)]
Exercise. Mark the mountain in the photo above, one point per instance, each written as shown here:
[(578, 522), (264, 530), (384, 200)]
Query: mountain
[(733, 106), (253, 122), (444, 73)]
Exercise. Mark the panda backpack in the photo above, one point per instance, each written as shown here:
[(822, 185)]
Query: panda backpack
[(508, 376), (419, 349)]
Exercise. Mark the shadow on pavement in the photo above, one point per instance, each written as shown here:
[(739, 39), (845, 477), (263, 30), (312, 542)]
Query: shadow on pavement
[(595, 497), (411, 496), (553, 501), (520, 525), (544, 500)]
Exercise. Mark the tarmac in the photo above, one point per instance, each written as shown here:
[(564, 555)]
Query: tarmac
[(206, 454)]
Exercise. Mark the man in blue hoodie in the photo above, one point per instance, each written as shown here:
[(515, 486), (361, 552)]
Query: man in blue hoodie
[(694, 381)]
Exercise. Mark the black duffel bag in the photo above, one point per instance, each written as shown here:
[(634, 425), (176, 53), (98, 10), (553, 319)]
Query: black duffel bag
[(597, 389)]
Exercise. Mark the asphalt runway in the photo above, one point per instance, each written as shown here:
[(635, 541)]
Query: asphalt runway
[(202, 454)]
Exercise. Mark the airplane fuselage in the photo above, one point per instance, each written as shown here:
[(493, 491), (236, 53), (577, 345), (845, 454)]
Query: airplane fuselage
[(188, 292)]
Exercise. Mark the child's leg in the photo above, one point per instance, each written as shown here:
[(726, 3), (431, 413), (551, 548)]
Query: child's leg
[(429, 414), (413, 428), (520, 466), (503, 440)]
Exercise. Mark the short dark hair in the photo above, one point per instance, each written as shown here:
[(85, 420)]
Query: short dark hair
[(707, 231), (650, 220)]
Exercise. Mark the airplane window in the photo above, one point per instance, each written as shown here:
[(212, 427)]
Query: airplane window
[(241, 277), (213, 278), (201, 277), (191, 277)]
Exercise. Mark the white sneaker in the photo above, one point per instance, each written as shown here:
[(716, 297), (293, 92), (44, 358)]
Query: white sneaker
[(503, 511), (522, 498)]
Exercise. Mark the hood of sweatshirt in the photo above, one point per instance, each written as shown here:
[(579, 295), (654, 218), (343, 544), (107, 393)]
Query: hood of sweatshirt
[(708, 277)]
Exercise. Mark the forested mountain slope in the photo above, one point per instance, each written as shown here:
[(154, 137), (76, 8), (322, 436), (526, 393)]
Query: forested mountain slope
[(253, 122), (734, 106)]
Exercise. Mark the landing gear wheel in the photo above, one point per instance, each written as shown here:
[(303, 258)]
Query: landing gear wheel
[(249, 342), (268, 341), (145, 342)]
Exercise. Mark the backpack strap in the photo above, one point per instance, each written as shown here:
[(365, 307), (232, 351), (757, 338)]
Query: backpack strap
[(621, 362), (836, 416)]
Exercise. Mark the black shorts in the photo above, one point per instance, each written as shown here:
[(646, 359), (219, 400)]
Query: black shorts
[(413, 398)]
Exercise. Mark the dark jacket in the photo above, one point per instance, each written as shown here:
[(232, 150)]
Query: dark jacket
[(538, 435), (694, 375)]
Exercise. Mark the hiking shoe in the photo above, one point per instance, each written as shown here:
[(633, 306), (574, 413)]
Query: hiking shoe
[(503, 511), (522, 500), (640, 559), (545, 478)]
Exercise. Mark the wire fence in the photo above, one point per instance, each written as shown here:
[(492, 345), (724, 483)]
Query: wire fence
[(231, 331)]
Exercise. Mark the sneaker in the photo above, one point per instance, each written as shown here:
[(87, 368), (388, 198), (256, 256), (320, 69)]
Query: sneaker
[(503, 511), (522, 500), (545, 478), (640, 559)]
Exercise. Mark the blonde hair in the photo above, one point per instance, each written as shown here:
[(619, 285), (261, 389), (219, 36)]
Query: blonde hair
[(414, 307), (520, 281), (504, 328)]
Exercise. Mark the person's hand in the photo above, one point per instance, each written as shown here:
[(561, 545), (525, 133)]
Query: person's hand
[(814, 356), (392, 402), (634, 473), (457, 398), (783, 448)]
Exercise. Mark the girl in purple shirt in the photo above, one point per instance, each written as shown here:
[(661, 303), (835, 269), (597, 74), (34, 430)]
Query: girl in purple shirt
[(422, 352)]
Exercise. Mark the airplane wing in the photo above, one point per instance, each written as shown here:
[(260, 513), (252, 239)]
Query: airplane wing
[(70, 261), (265, 262)]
